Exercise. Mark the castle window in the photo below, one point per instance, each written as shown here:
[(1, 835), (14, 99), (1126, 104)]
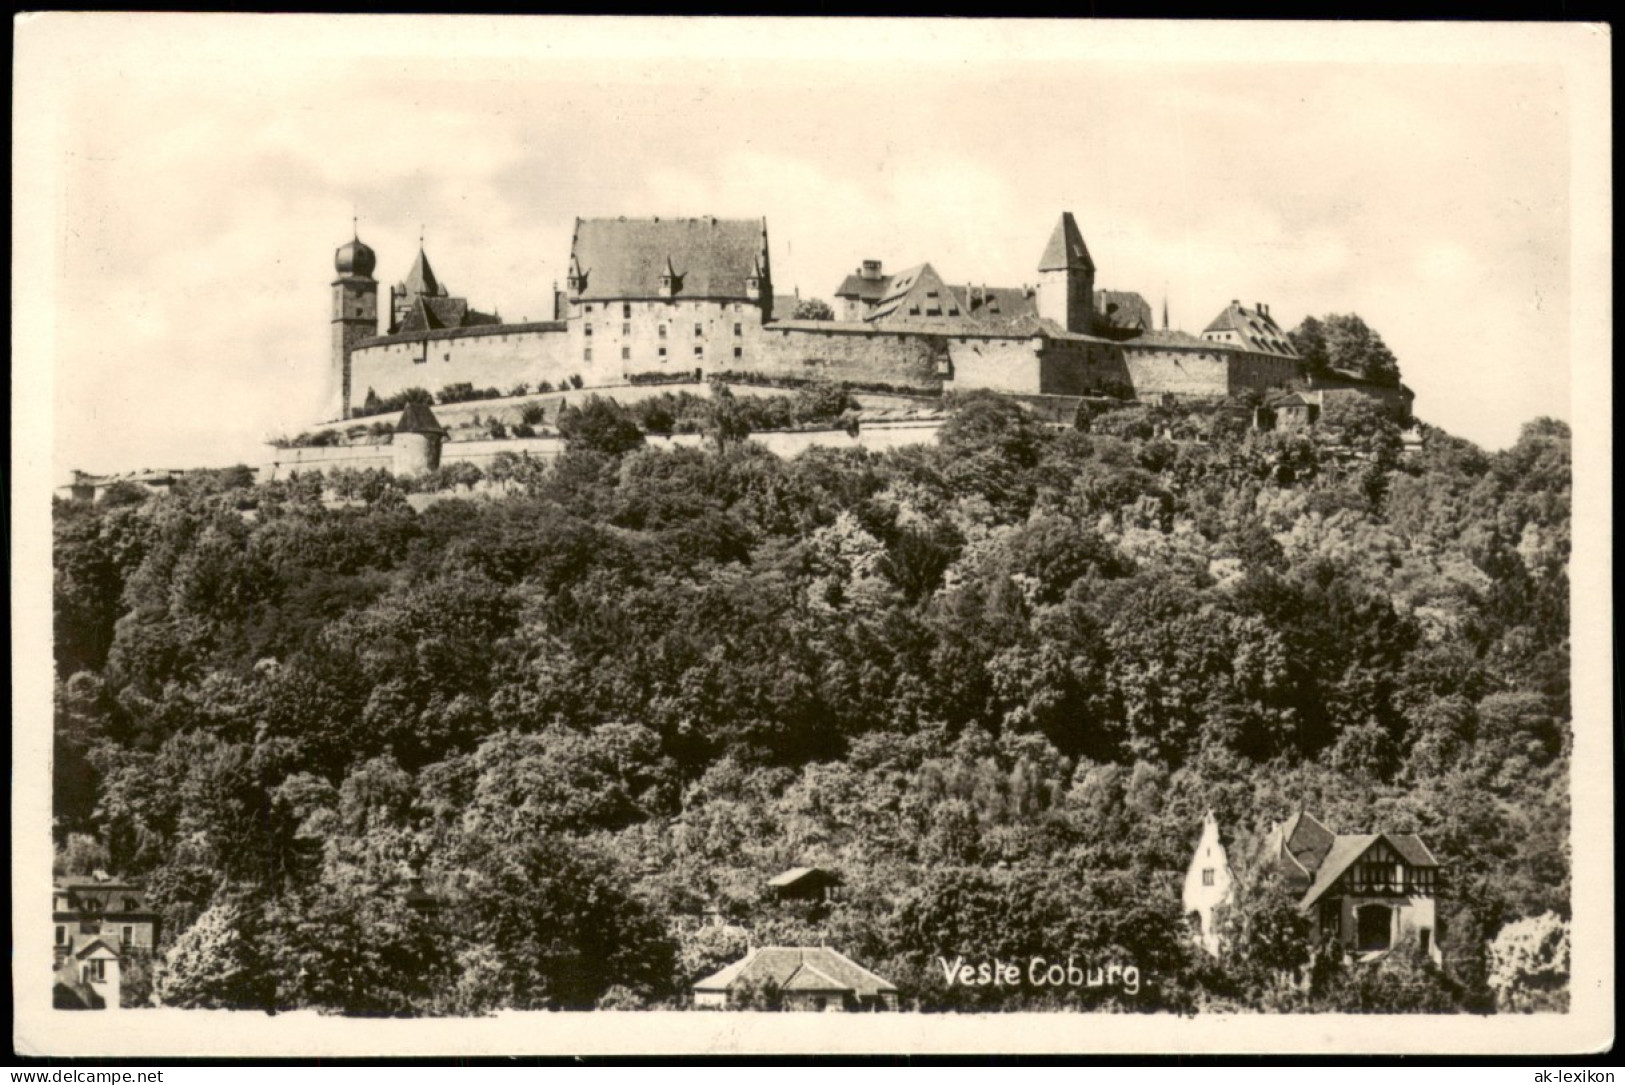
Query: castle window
[(913, 310), (586, 329), (626, 329), (699, 329), (739, 352), (126, 937), (662, 353), (61, 935), (626, 354), (953, 312), (1207, 876), (739, 329), (447, 357), (626, 310), (662, 331), (589, 308), (586, 355), (699, 352)]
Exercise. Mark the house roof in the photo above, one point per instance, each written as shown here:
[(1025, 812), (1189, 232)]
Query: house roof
[(1255, 330), (1125, 309), (1157, 337), (96, 947), (799, 969), (624, 258), (856, 286), (418, 418), (1066, 249), (1325, 856), (796, 874), (421, 279), (427, 314)]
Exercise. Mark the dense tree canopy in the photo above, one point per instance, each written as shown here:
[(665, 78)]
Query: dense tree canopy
[(994, 682), (1339, 343)]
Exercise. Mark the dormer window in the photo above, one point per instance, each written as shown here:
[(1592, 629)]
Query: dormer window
[(671, 281)]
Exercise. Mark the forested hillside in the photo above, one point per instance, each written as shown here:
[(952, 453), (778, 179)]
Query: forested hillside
[(994, 682)]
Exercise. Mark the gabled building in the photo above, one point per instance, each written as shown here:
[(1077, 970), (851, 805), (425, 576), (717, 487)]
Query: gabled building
[(102, 906), (816, 979), (1207, 885), (805, 883), (1250, 331), (1371, 892), (100, 923), (422, 303), (650, 295)]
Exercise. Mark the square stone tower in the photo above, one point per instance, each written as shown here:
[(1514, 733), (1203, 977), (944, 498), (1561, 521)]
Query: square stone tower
[(1066, 279)]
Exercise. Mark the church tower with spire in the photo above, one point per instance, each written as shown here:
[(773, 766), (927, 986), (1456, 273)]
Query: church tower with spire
[(355, 309), (1066, 279)]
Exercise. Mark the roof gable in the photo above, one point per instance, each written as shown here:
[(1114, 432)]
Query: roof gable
[(421, 279), (418, 418), (798, 968), (1066, 250), (626, 258), (1254, 330)]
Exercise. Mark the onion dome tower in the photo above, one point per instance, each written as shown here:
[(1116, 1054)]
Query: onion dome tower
[(355, 309)]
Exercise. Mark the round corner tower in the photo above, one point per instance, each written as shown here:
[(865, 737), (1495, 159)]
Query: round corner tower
[(415, 445), (355, 309)]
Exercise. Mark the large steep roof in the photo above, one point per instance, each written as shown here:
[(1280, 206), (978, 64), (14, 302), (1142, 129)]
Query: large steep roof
[(418, 418), (625, 258), (421, 279), (1066, 249)]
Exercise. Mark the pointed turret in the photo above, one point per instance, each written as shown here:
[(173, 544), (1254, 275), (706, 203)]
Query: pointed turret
[(419, 418), (421, 281), (1066, 279), (1066, 250), (417, 440)]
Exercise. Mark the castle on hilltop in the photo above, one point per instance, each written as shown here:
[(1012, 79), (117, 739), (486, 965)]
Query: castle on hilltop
[(693, 298)]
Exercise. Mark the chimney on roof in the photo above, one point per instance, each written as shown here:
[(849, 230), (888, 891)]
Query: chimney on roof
[(870, 270)]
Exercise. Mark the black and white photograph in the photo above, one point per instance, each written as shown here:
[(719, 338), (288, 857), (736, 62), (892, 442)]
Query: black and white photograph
[(542, 535)]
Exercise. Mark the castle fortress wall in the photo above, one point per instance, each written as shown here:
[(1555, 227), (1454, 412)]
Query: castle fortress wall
[(647, 335), (844, 351), (496, 356)]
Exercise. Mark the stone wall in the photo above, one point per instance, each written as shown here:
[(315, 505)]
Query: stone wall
[(610, 339), (1260, 372), (1159, 371), (842, 351), (876, 436), (1001, 365), (499, 356)]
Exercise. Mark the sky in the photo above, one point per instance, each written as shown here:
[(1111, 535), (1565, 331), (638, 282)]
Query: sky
[(196, 173)]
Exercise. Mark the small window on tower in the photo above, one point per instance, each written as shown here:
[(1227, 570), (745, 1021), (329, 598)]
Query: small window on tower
[(1207, 876), (626, 354), (662, 354), (699, 352), (586, 355), (699, 329), (586, 329), (626, 329), (739, 329), (739, 352), (662, 331), (626, 310)]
